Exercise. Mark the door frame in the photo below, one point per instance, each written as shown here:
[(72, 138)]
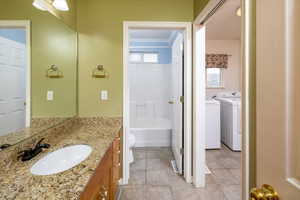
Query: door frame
[(248, 96), (27, 25), (187, 27)]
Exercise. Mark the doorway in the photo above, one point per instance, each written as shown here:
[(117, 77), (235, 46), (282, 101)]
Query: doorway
[(15, 109), (157, 93), (218, 92)]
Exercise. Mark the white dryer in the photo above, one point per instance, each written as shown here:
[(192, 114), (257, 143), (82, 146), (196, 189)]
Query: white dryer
[(231, 133), (212, 118)]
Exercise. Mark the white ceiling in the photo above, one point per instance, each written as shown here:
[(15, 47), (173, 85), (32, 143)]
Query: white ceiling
[(225, 24), (151, 34)]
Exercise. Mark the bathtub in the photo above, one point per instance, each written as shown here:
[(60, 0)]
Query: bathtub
[(151, 132), (231, 133)]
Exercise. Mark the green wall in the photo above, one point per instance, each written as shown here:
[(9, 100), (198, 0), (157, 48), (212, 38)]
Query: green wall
[(198, 6), (69, 18), (52, 42), (100, 29)]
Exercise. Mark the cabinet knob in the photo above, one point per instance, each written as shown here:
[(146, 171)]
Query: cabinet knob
[(103, 194)]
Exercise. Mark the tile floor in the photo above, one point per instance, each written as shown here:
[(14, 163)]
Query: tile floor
[(152, 177)]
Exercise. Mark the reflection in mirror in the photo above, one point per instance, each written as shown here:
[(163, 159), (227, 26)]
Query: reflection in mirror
[(32, 99)]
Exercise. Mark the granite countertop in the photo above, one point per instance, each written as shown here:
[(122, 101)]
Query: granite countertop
[(16, 181)]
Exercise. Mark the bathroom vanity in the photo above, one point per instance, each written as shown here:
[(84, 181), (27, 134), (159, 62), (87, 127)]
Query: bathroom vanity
[(97, 177), (103, 185)]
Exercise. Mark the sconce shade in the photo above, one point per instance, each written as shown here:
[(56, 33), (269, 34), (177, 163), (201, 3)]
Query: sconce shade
[(61, 5), (39, 5)]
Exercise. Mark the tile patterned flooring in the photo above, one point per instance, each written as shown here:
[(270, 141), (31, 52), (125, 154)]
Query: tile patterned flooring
[(152, 177)]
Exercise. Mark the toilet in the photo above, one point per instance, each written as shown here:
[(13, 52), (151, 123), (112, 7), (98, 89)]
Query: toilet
[(131, 146)]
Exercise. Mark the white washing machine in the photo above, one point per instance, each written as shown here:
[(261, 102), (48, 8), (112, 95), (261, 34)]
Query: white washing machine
[(212, 118)]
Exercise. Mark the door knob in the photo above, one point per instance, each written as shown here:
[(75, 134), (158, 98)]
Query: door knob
[(266, 192), (171, 102)]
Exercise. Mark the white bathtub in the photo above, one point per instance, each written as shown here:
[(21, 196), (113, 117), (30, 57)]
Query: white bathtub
[(151, 132)]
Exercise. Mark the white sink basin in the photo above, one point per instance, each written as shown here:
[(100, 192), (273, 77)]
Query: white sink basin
[(61, 160)]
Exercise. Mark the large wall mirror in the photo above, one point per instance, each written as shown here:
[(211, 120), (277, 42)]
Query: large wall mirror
[(38, 71)]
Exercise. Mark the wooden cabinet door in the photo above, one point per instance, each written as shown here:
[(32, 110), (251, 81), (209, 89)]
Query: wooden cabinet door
[(104, 183), (103, 193), (99, 186), (116, 169)]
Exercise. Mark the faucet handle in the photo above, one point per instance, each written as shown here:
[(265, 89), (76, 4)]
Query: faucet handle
[(39, 142), (39, 145), (22, 153)]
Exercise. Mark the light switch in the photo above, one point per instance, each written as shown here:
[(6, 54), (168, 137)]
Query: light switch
[(50, 95), (104, 95)]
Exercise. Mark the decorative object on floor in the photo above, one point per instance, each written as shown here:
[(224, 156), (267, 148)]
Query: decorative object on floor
[(99, 72), (54, 72)]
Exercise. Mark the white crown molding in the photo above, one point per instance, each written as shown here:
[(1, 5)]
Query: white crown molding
[(172, 37), (149, 47), (149, 40), (168, 40)]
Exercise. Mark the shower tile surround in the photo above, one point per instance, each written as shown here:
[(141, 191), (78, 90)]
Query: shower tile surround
[(16, 181), (152, 78)]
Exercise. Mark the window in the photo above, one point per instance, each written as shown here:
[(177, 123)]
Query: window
[(150, 58), (143, 57), (214, 78), (135, 57)]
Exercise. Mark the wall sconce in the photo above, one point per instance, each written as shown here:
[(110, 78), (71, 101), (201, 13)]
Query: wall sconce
[(54, 72), (49, 5), (40, 4), (99, 72), (61, 5), (238, 12)]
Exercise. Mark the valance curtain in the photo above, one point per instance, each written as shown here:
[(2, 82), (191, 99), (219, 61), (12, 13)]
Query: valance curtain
[(216, 61)]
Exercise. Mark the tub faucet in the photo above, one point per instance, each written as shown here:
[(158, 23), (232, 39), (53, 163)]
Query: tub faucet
[(32, 152)]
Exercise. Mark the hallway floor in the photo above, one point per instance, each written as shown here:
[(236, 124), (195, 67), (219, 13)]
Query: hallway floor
[(152, 177)]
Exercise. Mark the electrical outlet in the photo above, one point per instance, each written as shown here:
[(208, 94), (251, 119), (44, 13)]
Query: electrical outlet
[(50, 95), (104, 95)]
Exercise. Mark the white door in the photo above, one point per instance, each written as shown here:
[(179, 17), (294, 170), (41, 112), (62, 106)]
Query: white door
[(177, 106), (278, 97), (12, 86)]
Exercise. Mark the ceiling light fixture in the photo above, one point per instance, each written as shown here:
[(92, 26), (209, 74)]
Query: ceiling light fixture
[(61, 5), (239, 12), (39, 5)]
